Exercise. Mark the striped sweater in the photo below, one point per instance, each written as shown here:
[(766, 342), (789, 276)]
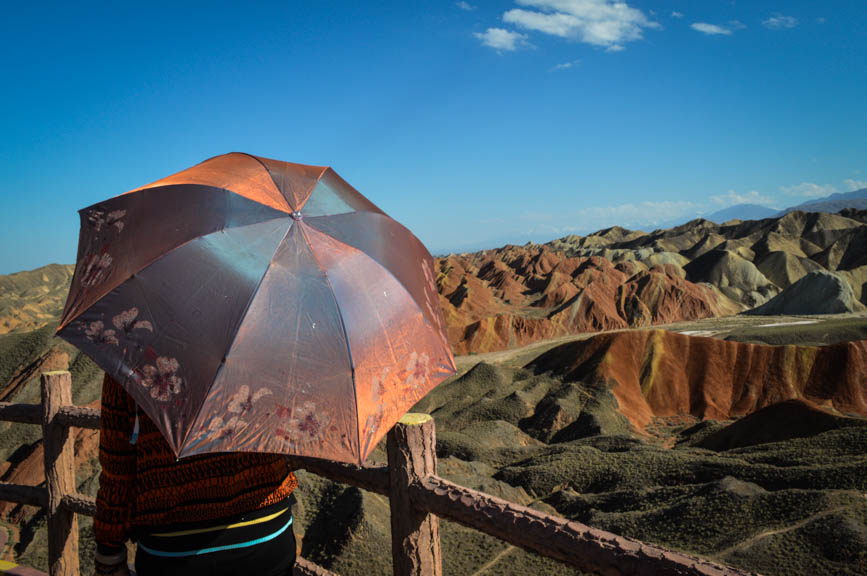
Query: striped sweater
[(143, 485)]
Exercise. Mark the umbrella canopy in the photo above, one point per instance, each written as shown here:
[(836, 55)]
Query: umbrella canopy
[(253, 305)]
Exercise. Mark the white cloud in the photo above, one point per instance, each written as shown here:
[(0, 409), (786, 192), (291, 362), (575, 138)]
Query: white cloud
[(553, 231), (466, 7), (604, 23), (677, 15), (645, 215), (736, 25), (779, 21), (638, 214), (710, 29), (809, 190), (633, 215), (565, 65), (502, 40), (731, 198)]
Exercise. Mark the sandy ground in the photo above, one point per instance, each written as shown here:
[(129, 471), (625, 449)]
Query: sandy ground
[(789, 323)]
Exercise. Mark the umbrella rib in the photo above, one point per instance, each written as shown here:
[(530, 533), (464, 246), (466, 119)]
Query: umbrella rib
[(400, 286), (384, 267), (318, 180), (289, 204), (107, 290), (408, 295), (238, 327), (262, 164), (345, 339), (329, 170), (312, 222), (377, 262)]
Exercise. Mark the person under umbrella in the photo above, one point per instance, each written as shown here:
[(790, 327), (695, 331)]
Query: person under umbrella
[(250, 307), (213, 514)]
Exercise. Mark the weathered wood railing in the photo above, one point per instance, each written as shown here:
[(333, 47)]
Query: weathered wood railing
[(417, 497)]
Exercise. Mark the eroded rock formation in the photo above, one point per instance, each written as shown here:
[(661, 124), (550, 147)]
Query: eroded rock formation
[(656, 373)]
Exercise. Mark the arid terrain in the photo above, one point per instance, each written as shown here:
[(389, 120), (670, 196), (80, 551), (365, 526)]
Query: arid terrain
[(617, 278), (612, 378)]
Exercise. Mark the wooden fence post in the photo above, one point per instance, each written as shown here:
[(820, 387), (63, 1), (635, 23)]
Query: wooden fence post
[(415, 535), (59, 451)]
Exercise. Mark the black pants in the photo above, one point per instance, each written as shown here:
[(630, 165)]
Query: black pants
[(274, 557)]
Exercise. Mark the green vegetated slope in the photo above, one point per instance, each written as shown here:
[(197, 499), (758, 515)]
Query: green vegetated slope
[(22, 357), (781, 491), (34, 298), (805, 332), (793, 503)]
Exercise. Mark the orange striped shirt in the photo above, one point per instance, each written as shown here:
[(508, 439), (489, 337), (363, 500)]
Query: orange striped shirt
[(144, 485)]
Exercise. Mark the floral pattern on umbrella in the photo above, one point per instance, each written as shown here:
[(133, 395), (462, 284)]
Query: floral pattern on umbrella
[(107, 227), (95, 332), (305, 424), (377, 395), (240, 404), (161, 378), (416, 373), (126, 321), (98, 218), (124, 324)]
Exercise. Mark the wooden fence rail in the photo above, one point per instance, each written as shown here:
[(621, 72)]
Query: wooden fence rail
[(417, 496)]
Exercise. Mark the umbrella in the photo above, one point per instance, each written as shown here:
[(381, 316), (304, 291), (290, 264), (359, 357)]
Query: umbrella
[(248, 304)]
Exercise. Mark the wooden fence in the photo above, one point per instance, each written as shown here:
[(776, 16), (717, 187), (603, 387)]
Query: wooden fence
[(417, 496)]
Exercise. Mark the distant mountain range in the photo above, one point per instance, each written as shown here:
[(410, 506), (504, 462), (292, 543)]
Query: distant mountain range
[(742, 212), (830, 204), (833, 203)]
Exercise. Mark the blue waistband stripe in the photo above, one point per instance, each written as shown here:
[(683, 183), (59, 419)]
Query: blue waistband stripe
[(215, 548)]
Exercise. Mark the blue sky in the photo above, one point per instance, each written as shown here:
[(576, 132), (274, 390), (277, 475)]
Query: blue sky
[(473, 123)]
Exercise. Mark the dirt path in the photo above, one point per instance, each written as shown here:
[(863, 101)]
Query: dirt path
[(21, 376), (520, 355), (766, 533), (493, 561)]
